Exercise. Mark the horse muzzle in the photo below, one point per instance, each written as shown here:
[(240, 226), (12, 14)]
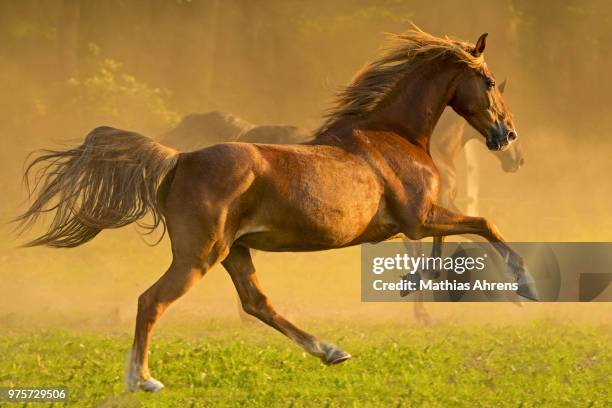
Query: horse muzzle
[(500, 140)]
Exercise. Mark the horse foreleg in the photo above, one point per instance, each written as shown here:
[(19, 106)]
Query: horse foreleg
[(420, 312), (436, 252), (240, 267), (442, 222), (414, 249)]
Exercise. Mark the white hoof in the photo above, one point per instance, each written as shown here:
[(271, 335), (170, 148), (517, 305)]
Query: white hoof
[(151, 385)]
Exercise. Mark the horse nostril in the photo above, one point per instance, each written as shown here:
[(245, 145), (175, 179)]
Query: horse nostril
[(522, 162), (512, 136)]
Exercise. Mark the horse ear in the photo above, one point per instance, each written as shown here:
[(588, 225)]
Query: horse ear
[(502, 86), (480, 45)]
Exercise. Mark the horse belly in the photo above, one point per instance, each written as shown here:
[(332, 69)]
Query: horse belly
[(312, 216)]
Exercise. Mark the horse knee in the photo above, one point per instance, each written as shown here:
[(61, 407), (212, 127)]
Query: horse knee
[(491, 231)]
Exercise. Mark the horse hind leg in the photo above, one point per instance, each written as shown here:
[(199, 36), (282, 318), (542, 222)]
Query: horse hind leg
[(183, 273), (240, 267), (244, 316)]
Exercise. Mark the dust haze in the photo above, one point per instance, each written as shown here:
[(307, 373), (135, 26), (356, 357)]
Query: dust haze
[(69, 66)]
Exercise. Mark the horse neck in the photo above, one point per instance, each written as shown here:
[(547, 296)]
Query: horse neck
[(413, 110)]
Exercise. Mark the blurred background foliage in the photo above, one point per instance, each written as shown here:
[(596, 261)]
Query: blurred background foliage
[(142, 64)]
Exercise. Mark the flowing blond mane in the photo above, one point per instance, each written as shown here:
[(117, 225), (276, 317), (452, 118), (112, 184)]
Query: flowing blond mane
[(401, 54)]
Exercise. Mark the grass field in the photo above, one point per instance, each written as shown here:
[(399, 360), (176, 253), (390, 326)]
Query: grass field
[(231, 364)]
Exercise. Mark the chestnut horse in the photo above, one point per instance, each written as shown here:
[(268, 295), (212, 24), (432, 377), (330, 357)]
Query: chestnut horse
[(365, 177), (199, 130)]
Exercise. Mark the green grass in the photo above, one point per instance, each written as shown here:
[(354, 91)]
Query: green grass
[(543, 364)]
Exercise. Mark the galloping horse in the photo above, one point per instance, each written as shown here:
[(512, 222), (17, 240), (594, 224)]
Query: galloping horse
[(447, 142), (365, 177)]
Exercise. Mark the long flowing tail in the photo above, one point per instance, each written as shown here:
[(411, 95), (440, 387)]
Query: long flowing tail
[(109, 181)]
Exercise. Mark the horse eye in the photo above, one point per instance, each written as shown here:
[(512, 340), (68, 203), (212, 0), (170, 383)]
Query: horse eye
[(490, 84)]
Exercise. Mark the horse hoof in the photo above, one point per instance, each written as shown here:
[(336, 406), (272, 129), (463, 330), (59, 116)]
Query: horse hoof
[(527, 291), (151, 385), (334, 355), (526, 285)]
